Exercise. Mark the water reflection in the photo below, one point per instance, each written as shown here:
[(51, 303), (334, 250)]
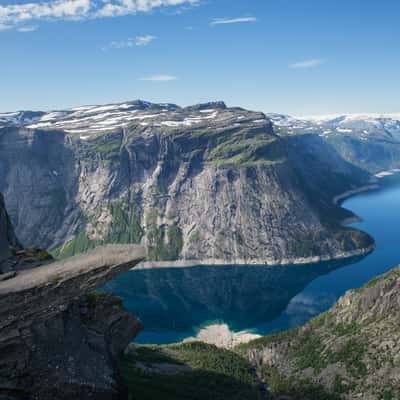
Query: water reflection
[(173, 302)]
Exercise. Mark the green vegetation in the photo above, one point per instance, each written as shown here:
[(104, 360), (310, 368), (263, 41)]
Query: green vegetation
[(243, 151), (55, 279), (125, 228), (164, 243), (39, 254), (389, 394), (126, 224), (194, 237), (351, 354), (210, 373), (175, 241), (234, 146), (79, 244), (346, 329), (264, 341), (108, 148), (93, 298), (341, 387), (308, 352), (293, 386), (351, 239), (389, 276), (306, 245), (150, 354)]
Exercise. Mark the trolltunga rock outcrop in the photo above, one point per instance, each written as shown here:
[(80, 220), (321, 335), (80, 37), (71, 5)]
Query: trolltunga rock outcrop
[(58, 338)]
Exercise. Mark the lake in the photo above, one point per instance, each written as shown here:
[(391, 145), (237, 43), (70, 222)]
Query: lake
[(175, 303)]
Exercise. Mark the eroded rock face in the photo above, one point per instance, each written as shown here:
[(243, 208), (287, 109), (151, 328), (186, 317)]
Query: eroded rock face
[(71, 355), (205, 183), (60, 340), (8, 240)]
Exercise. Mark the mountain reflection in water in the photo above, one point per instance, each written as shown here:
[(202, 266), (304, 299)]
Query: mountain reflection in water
[(173, 302)]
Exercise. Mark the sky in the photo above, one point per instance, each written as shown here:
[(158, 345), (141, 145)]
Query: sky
[(298, 57)]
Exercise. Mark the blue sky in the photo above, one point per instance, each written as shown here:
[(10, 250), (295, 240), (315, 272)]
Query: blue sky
[(292, 56)]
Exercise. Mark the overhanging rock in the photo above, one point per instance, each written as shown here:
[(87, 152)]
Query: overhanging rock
[(56, 339)]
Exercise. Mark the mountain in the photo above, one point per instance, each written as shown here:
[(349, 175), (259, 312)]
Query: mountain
[(202, 184), (19, 118), (370, 141), (351, 351)]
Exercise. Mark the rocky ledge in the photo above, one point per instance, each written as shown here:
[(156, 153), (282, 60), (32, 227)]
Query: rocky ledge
[(58, 338)]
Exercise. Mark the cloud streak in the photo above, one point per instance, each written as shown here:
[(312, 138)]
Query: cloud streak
[(226, 21), (159, 78), (144, 40), (11, 15), (28, 28), (306, 64), (139, 41)]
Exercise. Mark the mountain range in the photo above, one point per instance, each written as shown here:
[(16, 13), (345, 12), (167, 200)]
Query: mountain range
[(205, 184)]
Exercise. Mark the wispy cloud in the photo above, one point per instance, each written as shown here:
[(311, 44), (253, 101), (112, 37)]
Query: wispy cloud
[(130, 42), (5, 27), (224, 21), (307, 64), (28, 28), (144, 40), (159, 78), (19, 11)]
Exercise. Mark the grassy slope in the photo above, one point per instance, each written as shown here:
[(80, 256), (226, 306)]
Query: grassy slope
[(214, 374)]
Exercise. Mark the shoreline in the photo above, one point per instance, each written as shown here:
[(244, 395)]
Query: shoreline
[(254, 261), (220, 335), (337, 200), (389, 172)]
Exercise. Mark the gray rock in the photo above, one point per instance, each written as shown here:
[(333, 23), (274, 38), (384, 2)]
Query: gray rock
[(8, 240), (58, 339), (205, 183)]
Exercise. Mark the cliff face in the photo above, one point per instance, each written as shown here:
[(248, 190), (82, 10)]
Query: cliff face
[(58, 339), (199, 183), (8, 240), (352, 350)]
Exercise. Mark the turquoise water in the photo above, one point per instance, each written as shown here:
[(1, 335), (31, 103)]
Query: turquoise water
[(174, 303)]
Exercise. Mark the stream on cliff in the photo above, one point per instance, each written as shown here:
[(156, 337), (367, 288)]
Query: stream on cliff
[(175, 303)]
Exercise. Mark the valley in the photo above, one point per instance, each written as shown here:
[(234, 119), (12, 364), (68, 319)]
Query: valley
[(254, 225)]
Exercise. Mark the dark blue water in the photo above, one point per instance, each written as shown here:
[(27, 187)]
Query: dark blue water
[(174, 303)]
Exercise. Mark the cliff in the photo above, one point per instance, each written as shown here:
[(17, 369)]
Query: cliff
[(8, 240), (349, 352), (202, 184), (58, 338)]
